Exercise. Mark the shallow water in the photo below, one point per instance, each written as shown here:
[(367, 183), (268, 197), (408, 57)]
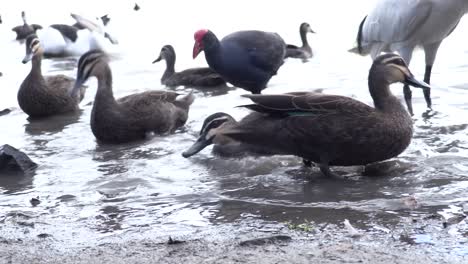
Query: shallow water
[(91, 192)]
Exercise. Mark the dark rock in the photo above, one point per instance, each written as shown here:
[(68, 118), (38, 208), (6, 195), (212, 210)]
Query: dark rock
[(14, 160), (265, 240), (174, 241), (44, 235), (35, 201), (136, 7), (6, 110)]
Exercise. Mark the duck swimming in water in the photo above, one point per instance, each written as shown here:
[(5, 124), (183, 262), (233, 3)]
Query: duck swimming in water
[(305, 51), (41, 96), (330, 130), (196, 77), (223, 146), (131, 117)]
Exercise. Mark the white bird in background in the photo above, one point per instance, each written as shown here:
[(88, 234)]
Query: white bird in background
[(402, 25), (66, 40)]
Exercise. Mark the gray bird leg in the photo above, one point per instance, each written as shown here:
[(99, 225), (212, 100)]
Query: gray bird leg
[(427, 92), (407, 92)]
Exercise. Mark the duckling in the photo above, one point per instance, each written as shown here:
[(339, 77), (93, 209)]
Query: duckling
[(331, 130), (223, 146), (195, 77), (41, 96), (131, 117), (304, 52), (25, 30)]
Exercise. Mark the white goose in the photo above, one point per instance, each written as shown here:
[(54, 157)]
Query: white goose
[(396, 25)]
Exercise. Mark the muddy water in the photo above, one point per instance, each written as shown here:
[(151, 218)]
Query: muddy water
[(92, 193)]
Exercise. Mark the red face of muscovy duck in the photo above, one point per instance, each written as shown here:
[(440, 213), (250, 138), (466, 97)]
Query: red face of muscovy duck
[(198, 46)]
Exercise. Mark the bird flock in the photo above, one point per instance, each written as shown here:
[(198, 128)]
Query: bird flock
[(327, 130)]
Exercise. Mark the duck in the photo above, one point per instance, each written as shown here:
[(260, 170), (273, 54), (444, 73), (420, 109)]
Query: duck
[(305, 51), (331, 130), (401, 26), (26, 29), (62, 40), (134, 116), (203, 77), (247, 59), (42, 96), (223, 146)]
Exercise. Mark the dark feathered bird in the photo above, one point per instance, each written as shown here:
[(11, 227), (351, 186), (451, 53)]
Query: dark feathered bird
[(223, 146), (195, 77), (41, 96), (25, 30), (131, 117), (247, 59), (332, 129), (305, 51)]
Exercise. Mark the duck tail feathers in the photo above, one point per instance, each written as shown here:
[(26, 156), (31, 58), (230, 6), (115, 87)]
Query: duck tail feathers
[(186, 100)]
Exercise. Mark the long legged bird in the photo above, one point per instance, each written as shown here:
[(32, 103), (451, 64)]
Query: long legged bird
[(397, 25)]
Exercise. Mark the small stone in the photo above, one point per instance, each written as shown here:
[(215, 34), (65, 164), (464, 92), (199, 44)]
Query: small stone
[(35, 201), (136, 7), (174, 241)]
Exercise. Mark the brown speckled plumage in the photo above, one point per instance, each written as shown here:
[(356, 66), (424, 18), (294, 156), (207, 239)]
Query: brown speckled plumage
[(41, 96), (133, 116), (332, 129)]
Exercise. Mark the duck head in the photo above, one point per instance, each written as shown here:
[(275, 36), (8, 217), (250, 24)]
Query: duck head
[(209, 133), (33, 48), (394, 69), (305, 28), (89, 64), (167, 53)]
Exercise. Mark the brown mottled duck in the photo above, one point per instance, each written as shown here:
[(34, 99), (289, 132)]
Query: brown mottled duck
[(131, 117), (305, 51), (330, 130), (42, 96), (224, 146), (203, 77)]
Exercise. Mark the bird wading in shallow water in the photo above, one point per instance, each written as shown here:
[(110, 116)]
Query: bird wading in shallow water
[(330, 130), (395, 25), (133, 116), (246, 59)]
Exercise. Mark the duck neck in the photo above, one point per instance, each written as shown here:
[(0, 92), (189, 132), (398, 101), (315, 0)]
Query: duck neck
[(170, 67), (305, 42), (104, 94), (36, 63), (384, 100)]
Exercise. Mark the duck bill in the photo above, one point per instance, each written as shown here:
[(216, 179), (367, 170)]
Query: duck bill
[(197, 48), (76, 87), (198, 146), (158, 59), (27, 58), (410, 80)]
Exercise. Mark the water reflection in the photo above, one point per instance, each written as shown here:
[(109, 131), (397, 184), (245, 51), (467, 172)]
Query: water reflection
[(15, 181), (206, 92), (51, 125)]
